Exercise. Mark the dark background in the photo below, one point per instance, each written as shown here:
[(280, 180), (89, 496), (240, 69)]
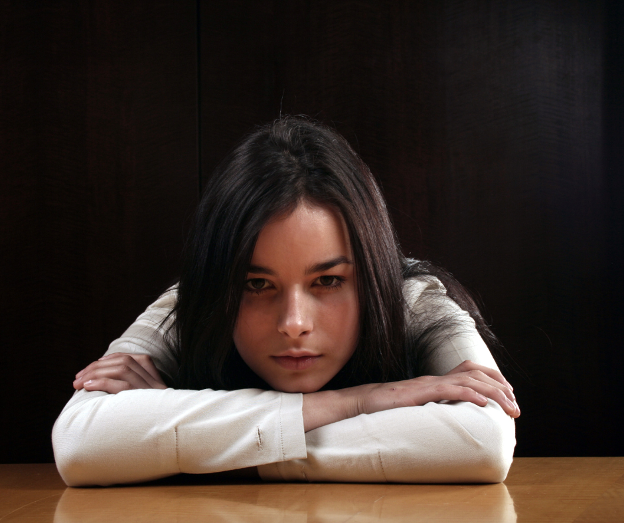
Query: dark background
[(495, 128)]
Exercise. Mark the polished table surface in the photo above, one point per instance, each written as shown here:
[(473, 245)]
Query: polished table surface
[(589, 489)]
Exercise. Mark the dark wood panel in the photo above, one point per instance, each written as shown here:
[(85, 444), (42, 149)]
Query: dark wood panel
[(612, 288), (99, 105), (522, 211), (495, 129), (365, 67)]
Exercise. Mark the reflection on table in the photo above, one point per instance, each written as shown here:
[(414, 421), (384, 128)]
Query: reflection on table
[(537, 489), (289, 503)]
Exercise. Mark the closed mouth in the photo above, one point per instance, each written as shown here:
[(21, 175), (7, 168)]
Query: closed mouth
[(297, 363)]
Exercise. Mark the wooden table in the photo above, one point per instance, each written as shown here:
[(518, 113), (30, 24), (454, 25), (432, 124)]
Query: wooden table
[(537, 489)]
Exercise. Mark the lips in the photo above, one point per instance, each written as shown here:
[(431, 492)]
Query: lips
[(296, 363)]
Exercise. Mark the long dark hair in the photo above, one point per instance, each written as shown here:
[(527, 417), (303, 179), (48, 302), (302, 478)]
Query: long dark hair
[(274, 168)]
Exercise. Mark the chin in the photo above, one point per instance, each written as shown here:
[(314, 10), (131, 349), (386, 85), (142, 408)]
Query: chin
[(297, 386)]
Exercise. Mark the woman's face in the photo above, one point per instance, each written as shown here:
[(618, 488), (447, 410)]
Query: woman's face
[(298, 321)]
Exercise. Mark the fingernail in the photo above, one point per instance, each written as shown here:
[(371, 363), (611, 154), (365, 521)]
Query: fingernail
[(88, 383), (509, 385), (481, 397)]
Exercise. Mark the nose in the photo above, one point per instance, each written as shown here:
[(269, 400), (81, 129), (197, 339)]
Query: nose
[(295, 316)]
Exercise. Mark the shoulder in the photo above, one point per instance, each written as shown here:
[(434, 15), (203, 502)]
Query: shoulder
[(418, 279), (443, 333), (422, 286), (424, 294), (426, 297), (167, 300), (149, 334)]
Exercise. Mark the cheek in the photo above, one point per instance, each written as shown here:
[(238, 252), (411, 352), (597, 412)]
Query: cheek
[(249, 323), (342, 321)]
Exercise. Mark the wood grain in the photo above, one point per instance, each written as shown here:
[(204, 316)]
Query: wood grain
[(576, 489)]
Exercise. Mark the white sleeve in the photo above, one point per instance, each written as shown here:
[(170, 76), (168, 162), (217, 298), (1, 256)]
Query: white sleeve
[(439, 442), (141, 435)]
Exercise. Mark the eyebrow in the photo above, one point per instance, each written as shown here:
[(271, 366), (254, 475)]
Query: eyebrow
[(324, 266), (316, 268)]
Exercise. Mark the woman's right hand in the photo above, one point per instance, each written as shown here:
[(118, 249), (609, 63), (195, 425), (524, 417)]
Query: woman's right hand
[(119, 372), (468, 382)]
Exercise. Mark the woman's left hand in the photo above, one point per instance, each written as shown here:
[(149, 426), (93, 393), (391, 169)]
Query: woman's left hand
[(468, 382), (119, 372)]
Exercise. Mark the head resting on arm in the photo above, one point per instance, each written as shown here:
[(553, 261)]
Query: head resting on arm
[(273, 170)]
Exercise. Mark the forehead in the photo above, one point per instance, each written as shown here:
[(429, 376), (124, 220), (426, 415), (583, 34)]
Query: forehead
[(310, 233)]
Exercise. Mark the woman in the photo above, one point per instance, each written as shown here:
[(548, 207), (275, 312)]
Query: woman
[(298, 341)]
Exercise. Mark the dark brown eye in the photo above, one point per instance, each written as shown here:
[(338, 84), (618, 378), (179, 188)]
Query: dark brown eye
[(256, 283), (326, 280)]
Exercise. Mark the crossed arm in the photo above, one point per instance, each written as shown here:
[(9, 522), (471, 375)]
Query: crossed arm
[(468, 382), (377, 432)]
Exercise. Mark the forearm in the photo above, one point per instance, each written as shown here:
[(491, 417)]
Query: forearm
[(326, 407), (443, 443), (140, 435)]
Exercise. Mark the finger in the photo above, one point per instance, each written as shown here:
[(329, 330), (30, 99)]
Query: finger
[(148, 365), (95, 364), (479, 375), (468, 365), (143, 360), (128, 360), (468, 394), (493, 392), (459, 387), (475, 372), (443, 391), (119, 372), (105, 357), (108, 385)]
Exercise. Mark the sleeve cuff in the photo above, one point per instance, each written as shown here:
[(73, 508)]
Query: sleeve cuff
[(293, 440)]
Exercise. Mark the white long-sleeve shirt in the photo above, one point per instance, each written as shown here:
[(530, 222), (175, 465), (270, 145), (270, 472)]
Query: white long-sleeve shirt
[(140, 435)]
